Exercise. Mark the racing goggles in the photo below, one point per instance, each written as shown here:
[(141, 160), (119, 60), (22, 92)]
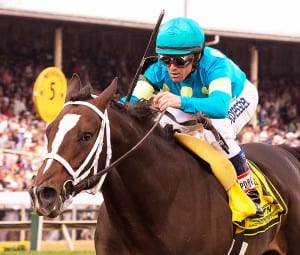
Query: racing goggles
[(179, 61)]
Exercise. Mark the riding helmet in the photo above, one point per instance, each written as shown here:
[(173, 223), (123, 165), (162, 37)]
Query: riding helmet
[(180, 36)]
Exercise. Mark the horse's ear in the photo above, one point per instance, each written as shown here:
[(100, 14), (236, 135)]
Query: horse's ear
[(107, 95), (74, 86)]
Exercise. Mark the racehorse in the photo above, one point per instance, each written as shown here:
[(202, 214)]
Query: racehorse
[(158, 197)]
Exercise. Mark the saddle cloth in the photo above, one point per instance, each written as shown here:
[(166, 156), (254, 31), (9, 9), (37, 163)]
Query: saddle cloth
[(242, 207)]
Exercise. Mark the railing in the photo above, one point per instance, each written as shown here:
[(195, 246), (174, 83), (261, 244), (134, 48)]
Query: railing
[(20, 202)]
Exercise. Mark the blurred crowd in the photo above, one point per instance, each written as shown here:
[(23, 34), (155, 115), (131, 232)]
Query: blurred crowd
[(278, 114), (22, 140)]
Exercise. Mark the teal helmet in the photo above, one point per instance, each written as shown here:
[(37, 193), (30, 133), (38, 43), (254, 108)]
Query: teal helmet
[(180, 36)]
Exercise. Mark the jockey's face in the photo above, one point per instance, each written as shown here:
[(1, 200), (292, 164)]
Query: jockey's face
[(179, 67), (179, 74)]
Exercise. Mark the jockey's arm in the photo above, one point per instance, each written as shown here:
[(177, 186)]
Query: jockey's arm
[(216, 105), (142, 90)]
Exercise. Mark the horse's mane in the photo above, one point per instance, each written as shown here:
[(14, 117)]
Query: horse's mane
[(144, 114), (141, 111)]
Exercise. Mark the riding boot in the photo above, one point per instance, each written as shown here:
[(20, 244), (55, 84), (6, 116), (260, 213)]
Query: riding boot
[(246, 181)]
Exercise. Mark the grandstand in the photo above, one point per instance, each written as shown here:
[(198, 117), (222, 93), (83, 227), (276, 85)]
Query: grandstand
[(78, 28)]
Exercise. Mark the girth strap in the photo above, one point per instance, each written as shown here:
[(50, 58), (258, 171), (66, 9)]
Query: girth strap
[(238, 247)]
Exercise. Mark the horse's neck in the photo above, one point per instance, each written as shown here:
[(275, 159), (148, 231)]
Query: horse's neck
[(144, 165), (158, 174), (145, 175)]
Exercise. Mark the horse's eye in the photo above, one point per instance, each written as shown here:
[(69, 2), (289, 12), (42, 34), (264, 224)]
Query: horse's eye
[(86, 136)]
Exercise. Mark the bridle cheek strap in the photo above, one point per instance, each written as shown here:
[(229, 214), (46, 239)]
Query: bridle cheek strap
[(80, 174)]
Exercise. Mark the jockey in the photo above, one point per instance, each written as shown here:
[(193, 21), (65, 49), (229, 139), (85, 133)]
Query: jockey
[(196, 78)]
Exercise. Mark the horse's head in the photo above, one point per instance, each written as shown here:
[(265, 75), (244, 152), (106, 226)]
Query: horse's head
[(76, 139)]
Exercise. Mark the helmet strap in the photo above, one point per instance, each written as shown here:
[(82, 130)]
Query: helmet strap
[(197, 59)]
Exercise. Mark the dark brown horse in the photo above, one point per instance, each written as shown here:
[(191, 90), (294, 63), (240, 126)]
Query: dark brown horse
[(158, 198)]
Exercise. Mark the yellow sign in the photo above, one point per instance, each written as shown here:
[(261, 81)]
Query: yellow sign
[(49, 93)]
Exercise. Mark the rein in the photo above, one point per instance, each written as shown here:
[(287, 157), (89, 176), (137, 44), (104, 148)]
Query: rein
[(83, 180), (92, 180)]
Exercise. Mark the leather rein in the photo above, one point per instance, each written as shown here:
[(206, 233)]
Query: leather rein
[(92, 180)]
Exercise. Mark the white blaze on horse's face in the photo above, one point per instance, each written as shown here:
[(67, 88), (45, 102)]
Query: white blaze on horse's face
[(68, 122)]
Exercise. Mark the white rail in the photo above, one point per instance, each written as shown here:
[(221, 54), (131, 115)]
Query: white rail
[(20, 201)]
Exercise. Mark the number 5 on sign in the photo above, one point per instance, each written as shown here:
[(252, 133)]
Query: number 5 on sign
[(49, 93)]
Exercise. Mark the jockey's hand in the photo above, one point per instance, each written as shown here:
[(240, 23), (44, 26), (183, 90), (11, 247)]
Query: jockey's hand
[(165, 99)]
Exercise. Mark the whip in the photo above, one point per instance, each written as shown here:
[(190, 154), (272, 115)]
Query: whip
[(138, 71)]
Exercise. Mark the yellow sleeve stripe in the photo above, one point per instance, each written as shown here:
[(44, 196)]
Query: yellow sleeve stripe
[(221, 84), (143, 90)]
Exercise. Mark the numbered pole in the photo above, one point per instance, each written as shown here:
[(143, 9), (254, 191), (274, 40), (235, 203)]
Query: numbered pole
[(49, 93)]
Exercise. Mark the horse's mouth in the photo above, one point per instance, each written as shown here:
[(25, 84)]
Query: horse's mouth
[(44, 212), (49, 211), (49, 206)]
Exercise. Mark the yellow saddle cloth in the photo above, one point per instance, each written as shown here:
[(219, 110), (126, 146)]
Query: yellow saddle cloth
[(242, 207)]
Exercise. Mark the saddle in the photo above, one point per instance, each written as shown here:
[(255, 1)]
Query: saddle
[(187, 128), (242, 207)]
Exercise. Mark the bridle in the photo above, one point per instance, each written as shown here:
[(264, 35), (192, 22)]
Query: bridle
[(79, 174), (83, 180)]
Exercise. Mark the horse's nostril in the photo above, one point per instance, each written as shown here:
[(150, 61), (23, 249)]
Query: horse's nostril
[(47, 193), (68, 188)]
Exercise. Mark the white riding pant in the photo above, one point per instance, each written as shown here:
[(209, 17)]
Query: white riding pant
[(240, 113)]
